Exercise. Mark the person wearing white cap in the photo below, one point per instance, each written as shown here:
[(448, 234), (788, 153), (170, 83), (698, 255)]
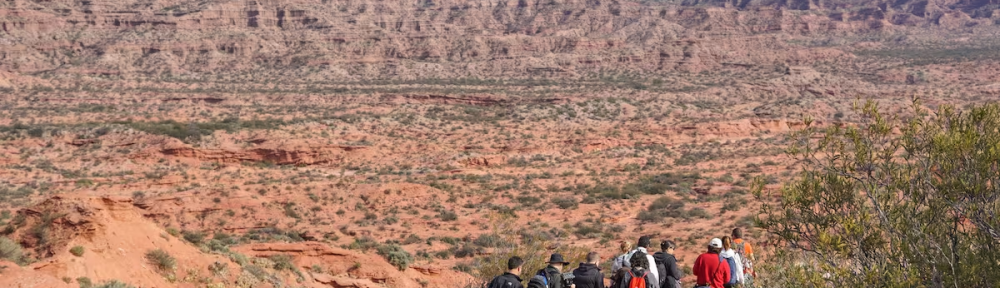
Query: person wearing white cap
[(711, 269)]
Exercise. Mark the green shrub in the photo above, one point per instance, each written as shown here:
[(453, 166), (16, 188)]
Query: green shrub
[(534, 248), (114, 284), (161, 260), (238, 258), (464, 268), (257, 272), (447, 215), (566, 203), (699, 213), (193, 131), (451, 240), (467, 250), (290, 211), (84, 282), (364, 244), (10, 250), (396, 256), (195, 237), (220, 269), (663, 207), (588, 231), (412, 239), (728, 178), (489, 240), (892, 201), (528, 200), (76, 251), (443, 254), (283, 262)]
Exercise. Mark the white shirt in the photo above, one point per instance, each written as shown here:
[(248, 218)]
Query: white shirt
[(652, 262)]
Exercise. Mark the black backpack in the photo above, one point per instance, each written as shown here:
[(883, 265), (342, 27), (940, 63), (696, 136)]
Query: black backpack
[(661, 267)]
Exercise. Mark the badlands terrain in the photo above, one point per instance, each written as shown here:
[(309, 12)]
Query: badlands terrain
[(356, 143)]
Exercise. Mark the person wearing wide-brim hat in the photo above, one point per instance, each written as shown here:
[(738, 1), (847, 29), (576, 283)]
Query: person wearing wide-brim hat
[(557, 258), (550, 276)]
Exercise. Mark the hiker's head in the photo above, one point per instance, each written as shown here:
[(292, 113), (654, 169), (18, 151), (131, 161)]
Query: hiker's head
[(626, 246), (727, 243), (643, 242), (639, 260), (667, 246), (593, 258), (715, 246), (514, 265), (737, 233), (557, 261)]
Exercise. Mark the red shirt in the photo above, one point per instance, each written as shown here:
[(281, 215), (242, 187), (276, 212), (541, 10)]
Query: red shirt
[(711, 271)]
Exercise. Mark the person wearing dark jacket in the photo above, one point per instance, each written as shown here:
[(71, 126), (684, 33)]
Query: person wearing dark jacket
[(551, 276), (509, 279), (588, 275), (661, 268), (665, 259), (637, 270)]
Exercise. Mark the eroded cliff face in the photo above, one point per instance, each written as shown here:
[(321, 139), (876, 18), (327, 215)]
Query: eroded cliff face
[(353, 40)]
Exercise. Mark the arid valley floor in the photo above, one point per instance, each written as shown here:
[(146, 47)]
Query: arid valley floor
[(294, 143)]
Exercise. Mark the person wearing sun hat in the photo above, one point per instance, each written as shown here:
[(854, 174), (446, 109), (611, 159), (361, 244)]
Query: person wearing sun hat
[(711, 269), (550, 276)]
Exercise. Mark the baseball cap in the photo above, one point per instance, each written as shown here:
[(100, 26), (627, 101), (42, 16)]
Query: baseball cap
[(715, 243)]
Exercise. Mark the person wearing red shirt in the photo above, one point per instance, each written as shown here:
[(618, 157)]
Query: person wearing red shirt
[(712, 271)]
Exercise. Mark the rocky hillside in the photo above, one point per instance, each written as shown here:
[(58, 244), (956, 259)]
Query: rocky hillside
[(102, 239), (219, 40)]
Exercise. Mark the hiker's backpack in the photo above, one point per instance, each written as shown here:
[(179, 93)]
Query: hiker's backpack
[(637, 282), (627, 261), (661, 267), (543, 277), (732, 269), (622, 261), (741, 249)]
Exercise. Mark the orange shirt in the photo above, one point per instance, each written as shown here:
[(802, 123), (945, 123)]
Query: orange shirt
[(747, 247)]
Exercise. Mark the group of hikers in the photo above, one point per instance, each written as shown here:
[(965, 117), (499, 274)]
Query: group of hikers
[(727, 263)]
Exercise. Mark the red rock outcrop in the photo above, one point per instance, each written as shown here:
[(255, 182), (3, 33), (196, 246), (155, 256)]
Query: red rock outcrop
[(115, 238)]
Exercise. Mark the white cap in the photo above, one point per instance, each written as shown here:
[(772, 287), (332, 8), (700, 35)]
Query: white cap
[(716, 243)]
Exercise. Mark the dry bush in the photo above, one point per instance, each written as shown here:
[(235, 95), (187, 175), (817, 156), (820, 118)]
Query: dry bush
[(10, 250), (77, 251), (532, 247), (162, 260)]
